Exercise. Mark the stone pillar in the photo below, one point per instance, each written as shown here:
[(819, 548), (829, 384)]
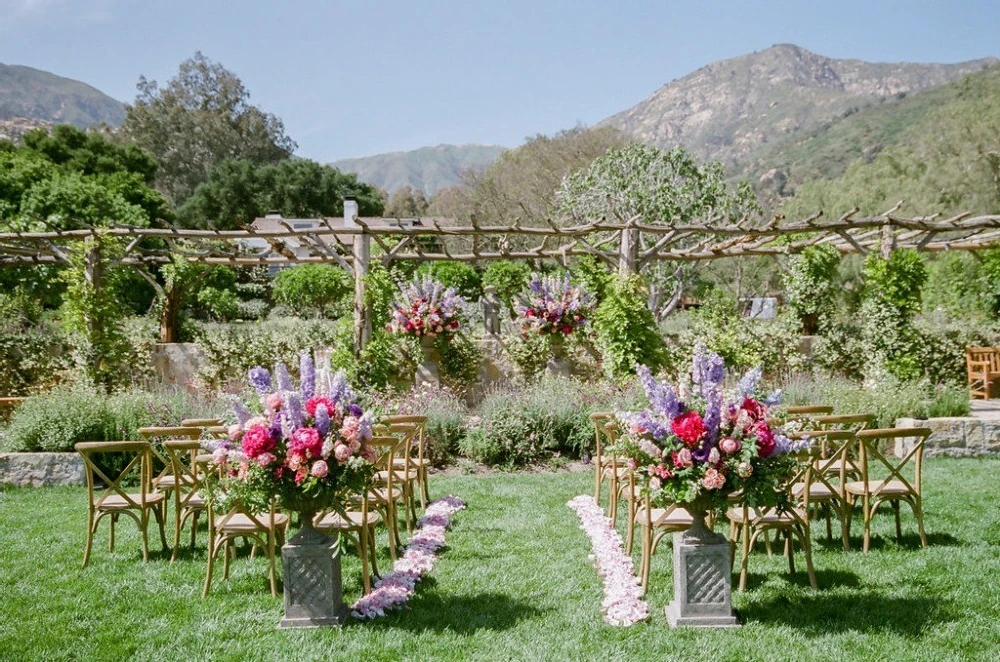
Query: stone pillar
[(702, 580), (428, 371), (313, 594)]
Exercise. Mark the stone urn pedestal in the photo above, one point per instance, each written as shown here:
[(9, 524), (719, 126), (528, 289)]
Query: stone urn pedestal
[(429, 371), (702, 578), (558, 365), (314, 595)]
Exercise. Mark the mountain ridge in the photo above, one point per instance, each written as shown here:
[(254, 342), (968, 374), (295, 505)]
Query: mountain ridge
[(428, 169)]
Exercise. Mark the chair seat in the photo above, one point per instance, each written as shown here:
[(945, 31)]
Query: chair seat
[(397, 475), (415, 462), (770, 518), (893, 487), (240, 522), (118, 502), (607, 461), (660, 518), (817, 491), (336, 522), (381, 494), (169, 482), (195, 503)]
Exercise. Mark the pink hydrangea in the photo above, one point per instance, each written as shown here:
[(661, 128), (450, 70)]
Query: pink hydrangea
[(307, 441), (257, 440)]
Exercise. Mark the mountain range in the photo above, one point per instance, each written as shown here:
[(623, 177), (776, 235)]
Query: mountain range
[(427, 169)]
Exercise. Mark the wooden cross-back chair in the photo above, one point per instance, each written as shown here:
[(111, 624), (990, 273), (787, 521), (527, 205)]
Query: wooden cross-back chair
[(982, 366), (832, 467), (606, 465), (885, 478), (189, 465), (115, 497), (807, 412), (266, 530), (747, 524), (654, 524), (421, 462), (361, 522), (404, 476), (384, 493), (163, 479), (202, 422), (852, 422)]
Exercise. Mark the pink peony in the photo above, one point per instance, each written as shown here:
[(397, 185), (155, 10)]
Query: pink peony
[(257, 440), (301, 474), (730, 446), (349, 430), (295, 460), (273, 402), (319, 469), (754, 409), (689, 428), (713, 480), (682, 458), (265, 459), (307, 441), (765, 439), (342, 452), (312, 403)]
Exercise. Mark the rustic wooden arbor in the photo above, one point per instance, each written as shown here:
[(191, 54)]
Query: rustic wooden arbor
[(352, 242)]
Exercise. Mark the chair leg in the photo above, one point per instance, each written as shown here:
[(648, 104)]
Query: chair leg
[(918, 512), (226, 553), (807, 552), (161, 519), (631, 526), (829, 526), (194, 527), (845, 526), (613, 501), (646, 544), (111, 536), (744, 556), (144, 528), (789, 551), (372, 550), (272, 565), (899, 528), (425, 492), (390, 524), (366, 580), (597, 481), (767, 544), (866, 512), (211, 562), (177, 533), (91, 527)]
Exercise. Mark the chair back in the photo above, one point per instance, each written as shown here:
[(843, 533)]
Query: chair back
[(202, 422), (419, 438), (137, 456), (878, 465), (801, 412), (184, 465), (600, 420), (156, 435), (836, 450), (386, 446), (989, 357), (853, 422)]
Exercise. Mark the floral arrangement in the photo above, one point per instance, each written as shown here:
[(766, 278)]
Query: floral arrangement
[(699, 443), (623, 604), (307, 448), (553, 306), (394, 588), (425, 308)]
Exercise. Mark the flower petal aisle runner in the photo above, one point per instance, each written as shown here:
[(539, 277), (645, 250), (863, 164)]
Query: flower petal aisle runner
[(394, 588), (623, 604)]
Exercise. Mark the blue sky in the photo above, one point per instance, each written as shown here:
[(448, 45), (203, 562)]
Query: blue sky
[(359, 78)]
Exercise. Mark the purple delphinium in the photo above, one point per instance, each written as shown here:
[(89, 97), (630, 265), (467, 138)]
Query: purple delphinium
[(783, 444), (354, 410), (713, 416), (293, 405), (260, 378), (648, 424), (322, 423), (307, 375), (774, 398), (242, 413), (749, 382), (276, 426), (339, 390), (707, 370), (282, 377), (661, 397)]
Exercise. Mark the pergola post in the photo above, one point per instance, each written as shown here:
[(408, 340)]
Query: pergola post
[(628, 251), (93, 274), (362, 254), (888, 242)]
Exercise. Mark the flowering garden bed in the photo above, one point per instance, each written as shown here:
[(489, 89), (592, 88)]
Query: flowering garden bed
[(514, 582)]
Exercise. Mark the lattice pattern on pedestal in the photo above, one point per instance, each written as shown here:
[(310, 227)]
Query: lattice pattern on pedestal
[(305, 577), (705, 581)]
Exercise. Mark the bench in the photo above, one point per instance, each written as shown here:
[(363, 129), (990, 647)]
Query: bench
[(983, 367)]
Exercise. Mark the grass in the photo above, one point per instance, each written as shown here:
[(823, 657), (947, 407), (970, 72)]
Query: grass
[(514, 583)]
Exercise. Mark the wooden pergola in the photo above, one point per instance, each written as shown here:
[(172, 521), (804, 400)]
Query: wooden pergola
[(627, 245)]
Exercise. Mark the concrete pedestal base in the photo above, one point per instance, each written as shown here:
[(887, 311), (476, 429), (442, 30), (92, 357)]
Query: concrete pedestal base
[(702, 580), (314, 594), (428, 371)]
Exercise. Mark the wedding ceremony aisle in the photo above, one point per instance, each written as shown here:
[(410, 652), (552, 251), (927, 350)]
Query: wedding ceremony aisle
[(515, 581)]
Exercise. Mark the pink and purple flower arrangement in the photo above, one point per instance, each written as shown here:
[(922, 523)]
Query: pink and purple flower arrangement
[(553, 306), (307, 448), (701, 443), (425, 308)]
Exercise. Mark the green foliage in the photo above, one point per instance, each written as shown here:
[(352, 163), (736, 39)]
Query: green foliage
[(406, 202), (646, 184), (460, 361), (529, 352), (508, 277), (463, 277), (810, 285), (958, 286), (445, 412), (88, 153), (33, 352), (594, 275), (320, 290), (221, 305), (235, 192), (200, 117), (891, 298), (626, 331)]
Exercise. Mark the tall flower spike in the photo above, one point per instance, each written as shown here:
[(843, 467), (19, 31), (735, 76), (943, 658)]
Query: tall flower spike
[(707, 370), (661, 396), (283, 378), (322, 419), (307, 375), (293, 403), (242, 413), (260, 378), (750, 381)]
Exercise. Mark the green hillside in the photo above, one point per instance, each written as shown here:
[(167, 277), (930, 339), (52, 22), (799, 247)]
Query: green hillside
[(427, 169), (939, 150), (39, 96)]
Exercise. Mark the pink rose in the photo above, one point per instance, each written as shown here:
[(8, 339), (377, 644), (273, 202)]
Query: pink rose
[(295, 460), (307, 441), (319, 469), (273, 402), (342, 452), (682, 458), (354, 445), (257, 440), (349, 430), (744, 470), (730, 446), (689, 428), (714, 456), (713, 480), (264, 459)]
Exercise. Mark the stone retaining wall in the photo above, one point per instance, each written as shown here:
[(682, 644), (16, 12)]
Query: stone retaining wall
[(41, 469), (962, 437)]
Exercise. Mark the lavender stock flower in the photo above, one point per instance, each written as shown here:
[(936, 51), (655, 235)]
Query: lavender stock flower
[(307, 375), (283, 378), (260, 378)]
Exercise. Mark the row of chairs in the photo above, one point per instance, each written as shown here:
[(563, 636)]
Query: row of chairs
[(847, 463), (142, 492)]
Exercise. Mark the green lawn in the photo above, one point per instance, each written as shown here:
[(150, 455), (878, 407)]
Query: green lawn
[(514, 583)]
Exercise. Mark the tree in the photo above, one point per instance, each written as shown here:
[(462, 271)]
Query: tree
[(199, 118), (406, 202), (237, 191), (321, 290)]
